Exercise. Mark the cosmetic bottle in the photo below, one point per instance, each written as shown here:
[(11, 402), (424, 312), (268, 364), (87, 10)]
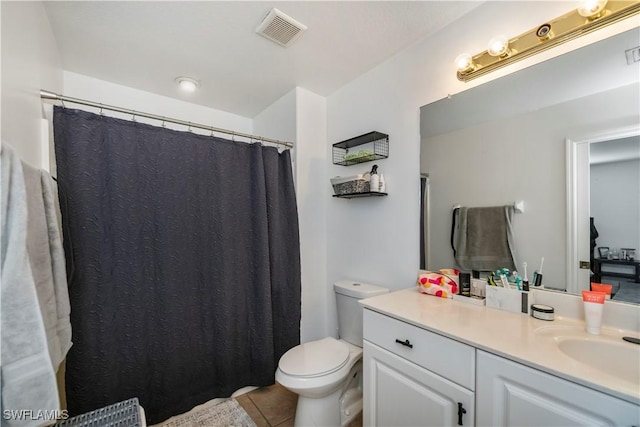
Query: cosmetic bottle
[(381, 185), (542, 312), (593, 305), (464, 280), (374, 179), (602, 287)]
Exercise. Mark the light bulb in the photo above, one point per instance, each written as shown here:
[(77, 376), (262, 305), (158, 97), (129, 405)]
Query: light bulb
[(498, 46), (464, 62), (592, 8), (187, 84)]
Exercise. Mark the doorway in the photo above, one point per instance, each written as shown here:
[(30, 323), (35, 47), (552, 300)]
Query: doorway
[(602, 153)]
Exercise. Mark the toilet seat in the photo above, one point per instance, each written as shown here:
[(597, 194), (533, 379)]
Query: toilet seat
[(315, 358)]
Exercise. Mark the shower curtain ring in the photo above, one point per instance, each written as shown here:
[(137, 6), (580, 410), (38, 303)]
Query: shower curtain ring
[(133, 116), (189, 129), (164, 125), (233, 136), (101, 111)]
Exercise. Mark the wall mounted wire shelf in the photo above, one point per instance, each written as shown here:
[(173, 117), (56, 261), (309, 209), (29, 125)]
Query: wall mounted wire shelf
[(373, 146)]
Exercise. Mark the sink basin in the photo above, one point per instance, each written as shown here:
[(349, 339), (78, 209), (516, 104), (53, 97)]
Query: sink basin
[(619, 359)]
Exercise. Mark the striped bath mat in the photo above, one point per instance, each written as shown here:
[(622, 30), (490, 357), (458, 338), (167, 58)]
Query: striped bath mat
[(214, 413)]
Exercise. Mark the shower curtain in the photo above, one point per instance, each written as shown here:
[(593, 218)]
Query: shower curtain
[(184, 263)]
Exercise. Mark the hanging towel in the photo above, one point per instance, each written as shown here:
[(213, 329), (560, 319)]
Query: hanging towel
[(47, 261), (28, 379), (484, 239), (58, 263)]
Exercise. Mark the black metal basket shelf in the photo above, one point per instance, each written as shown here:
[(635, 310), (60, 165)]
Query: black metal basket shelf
[(356, 195), (378, 144)]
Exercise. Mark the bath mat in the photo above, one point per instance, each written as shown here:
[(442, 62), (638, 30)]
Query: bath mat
[(214, 413)]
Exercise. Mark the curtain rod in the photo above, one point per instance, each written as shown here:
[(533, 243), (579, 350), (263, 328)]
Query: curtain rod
[(47, 95)]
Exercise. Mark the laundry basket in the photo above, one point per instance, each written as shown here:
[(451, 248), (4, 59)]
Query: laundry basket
[(127, 413)]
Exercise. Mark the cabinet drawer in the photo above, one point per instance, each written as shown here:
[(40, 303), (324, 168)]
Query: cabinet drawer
[(443, 356)]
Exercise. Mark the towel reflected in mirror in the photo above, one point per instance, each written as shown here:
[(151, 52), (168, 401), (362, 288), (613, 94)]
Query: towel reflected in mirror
[(483, 238)]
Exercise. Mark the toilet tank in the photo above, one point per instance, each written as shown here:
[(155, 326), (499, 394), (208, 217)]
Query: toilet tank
[(348, 292)]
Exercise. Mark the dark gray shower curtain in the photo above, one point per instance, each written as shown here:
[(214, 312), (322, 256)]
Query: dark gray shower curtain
[(183, 254)]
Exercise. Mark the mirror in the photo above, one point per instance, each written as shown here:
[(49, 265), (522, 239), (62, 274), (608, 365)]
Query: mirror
[(509, 140)]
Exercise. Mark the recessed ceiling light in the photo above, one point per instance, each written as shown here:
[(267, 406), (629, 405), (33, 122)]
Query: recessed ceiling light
[(187, 84)]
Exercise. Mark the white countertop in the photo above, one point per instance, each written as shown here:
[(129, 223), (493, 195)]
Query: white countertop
[(517, 337)]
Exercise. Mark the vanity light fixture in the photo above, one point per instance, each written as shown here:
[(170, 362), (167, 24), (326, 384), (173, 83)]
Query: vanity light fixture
[(592, 9), (592, 15), (499, 46), (464, 62), (187, 84)]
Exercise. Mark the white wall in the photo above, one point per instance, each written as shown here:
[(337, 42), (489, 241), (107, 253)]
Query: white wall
[(376, 239), (300, 116), (30, 62), (279, 119), (312, 192), (92, 89), (615, 203)]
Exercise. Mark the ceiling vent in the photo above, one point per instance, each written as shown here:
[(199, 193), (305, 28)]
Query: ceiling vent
[(280, 28)]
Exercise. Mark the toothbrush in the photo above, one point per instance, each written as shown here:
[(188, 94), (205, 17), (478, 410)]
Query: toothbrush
[(503, 279), (537, 275), (525, 280)]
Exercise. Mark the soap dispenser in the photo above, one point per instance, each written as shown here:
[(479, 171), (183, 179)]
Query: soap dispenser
[(374, 180)]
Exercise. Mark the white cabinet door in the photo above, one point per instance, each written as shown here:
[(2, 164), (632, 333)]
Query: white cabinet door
[(510, 394), (400, 393)]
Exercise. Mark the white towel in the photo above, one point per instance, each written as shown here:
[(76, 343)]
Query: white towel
[(58, 266), (28, 377), (46, 257)]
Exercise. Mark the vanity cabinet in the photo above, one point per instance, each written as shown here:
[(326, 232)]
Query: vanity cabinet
[(413, 377), (511, 394)]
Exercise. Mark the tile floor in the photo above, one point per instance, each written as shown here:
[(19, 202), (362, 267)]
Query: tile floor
[(270, 406), (274, 406)]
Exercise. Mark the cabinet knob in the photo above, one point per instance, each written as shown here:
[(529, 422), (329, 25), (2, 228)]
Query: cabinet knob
[(405, 343), (461, 412)]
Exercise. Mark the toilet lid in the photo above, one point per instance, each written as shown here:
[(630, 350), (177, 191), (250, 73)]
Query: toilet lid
[(315, 358)]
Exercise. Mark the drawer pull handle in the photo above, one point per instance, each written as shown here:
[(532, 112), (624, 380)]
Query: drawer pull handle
[(461, 412), (405, 343)]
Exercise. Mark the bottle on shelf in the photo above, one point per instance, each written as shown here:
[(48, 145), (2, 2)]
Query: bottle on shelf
[(374, 179)]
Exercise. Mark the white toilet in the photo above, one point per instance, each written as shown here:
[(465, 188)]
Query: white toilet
[(327, 373)]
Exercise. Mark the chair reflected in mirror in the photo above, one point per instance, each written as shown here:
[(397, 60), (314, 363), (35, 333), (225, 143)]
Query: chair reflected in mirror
[(603, 251)]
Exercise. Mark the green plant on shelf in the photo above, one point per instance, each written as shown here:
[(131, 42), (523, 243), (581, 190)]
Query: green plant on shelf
[(359, 155)]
